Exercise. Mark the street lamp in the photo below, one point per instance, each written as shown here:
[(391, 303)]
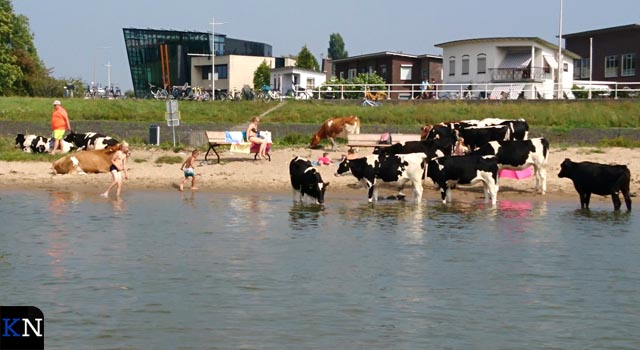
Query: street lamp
[(213, 57), (560, 64)]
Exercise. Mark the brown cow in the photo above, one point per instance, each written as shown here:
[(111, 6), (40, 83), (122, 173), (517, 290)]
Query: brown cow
[(92, 161), (336, 127)]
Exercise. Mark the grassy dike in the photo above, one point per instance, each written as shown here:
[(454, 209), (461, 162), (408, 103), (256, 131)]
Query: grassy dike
[(294, 119)]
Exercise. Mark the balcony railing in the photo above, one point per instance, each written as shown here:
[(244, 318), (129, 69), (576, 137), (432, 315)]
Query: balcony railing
[(519, 74)]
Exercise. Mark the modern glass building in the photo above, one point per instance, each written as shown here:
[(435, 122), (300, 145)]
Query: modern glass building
[(163, 57)]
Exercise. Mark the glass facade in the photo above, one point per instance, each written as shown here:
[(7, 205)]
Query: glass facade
[(161, 57)]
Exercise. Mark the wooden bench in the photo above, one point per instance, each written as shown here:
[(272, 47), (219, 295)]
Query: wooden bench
[(218, 138), (371, 140)]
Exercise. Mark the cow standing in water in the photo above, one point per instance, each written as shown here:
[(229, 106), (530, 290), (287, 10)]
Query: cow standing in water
[(602, 179), (306, 180), (336, 127)]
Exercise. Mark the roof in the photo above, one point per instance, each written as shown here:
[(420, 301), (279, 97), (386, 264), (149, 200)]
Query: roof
[(382, 54), (514, 38), (292, 68), (603, 31)]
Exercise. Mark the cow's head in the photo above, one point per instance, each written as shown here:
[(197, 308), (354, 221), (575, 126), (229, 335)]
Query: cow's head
[(20, 141), (315, 140), (343, 167), (565, 168), (76, 139), (316, 188), (425, 131)]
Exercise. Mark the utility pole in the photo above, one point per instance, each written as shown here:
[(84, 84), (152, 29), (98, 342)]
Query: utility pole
[(560, 64), (108, 65), (213, 57)]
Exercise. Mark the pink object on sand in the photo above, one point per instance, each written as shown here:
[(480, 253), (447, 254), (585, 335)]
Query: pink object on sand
[(516, 174)]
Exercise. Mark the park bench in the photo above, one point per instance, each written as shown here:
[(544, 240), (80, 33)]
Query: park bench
[(372, 140), (219, 138)]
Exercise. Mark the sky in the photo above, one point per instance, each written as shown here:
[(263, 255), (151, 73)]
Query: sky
[(78, 38)]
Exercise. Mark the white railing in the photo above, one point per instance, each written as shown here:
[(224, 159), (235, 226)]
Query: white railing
[(512, 90)]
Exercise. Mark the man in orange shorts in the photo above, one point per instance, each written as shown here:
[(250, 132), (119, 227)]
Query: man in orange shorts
[(59, 124)]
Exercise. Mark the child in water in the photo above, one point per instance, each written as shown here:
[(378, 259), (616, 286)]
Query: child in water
[(187, 168)]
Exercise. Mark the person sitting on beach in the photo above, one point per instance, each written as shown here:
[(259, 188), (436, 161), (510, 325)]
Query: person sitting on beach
[(118, 164), (325, 160), (252, 136), (187, 168)]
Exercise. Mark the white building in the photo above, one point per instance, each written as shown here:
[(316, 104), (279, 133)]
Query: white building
[(288, 79), (507, 67)]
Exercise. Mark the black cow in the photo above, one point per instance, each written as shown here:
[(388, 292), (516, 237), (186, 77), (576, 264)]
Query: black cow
[(518, 129), (518, 155), (90, 140), (402, 168), (306, 180), (602, 179), (476, 136), (469, 169)]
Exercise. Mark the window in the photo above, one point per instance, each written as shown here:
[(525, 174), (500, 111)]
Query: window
[(576, 69), (383, 71), (628, 64), (371, 70), (482, 63), (465, 65), (222, 71), (452, 65), (352, 73), (584, 68), (565, 67), (405, 71), (611, 66), (341, 75), (311, 83), (206, 72)]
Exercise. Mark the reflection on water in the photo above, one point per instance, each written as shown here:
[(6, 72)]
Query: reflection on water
[(200, 270)]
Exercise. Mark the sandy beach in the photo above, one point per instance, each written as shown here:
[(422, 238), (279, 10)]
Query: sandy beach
[(240, 173)]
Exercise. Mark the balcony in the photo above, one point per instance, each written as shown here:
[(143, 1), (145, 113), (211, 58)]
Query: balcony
[(509, 75)]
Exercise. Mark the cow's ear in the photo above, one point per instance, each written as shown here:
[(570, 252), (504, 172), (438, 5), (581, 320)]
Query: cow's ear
[(326, 184)]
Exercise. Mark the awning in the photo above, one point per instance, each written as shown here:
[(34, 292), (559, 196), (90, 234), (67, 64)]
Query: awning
[(516, 60), (551, 61)]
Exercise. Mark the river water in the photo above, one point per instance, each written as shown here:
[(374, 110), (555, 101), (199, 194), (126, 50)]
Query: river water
[(163, 270)]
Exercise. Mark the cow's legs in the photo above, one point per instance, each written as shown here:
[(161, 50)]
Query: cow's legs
[(417, 191), (297, 195), (333, 143), (615, 197), (584, 200), (448, 195), (543, 178), (627, 198), (401, 183)]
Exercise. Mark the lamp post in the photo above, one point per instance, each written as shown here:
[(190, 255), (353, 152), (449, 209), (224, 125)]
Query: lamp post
[(108, 65), (560, 64), (213, 57), (94, 63)]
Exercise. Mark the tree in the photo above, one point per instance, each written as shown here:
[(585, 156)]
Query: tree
[(262, 75), (20, 66), (336, 47), (306, 59)]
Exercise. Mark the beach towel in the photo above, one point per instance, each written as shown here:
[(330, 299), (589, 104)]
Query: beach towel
[(233, 136), (516, 174), (240, 148), (265, 135)]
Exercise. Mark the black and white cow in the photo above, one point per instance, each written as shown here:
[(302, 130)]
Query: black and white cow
[(518, 128), (90, 140), (476, 136), (431, 147), (446, 172), (306, 180), (402, 168), (39, 144), (518, 155), (601, 179)]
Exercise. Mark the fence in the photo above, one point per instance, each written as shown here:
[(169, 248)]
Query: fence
[(510, 90)]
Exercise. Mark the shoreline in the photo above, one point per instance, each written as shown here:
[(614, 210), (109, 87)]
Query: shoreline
[(239, 173)]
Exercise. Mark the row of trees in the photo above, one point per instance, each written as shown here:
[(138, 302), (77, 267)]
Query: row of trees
[(304, 59), (22, 73)]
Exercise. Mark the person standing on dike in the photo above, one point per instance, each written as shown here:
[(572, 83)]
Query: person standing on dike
[(59, 124)]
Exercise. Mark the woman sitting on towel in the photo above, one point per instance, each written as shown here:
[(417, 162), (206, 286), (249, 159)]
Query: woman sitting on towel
[(252, 136)]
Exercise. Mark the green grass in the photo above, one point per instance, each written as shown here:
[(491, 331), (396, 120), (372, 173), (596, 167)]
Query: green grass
[(619, 142), (169, 160), (561, 115)]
